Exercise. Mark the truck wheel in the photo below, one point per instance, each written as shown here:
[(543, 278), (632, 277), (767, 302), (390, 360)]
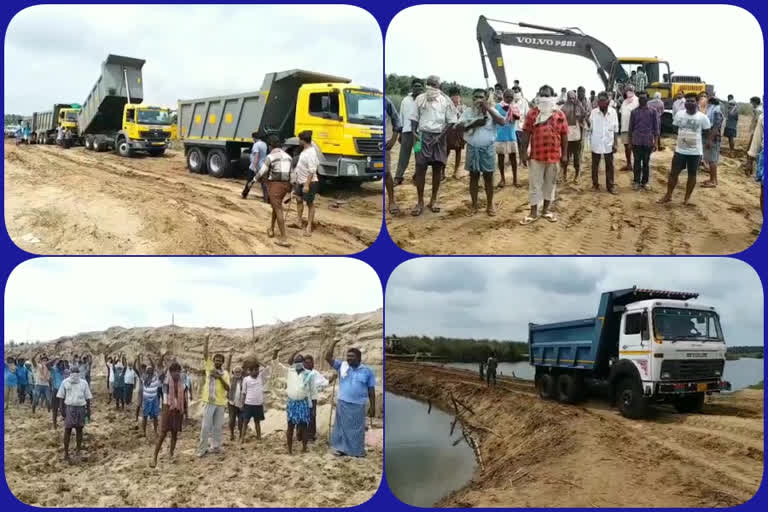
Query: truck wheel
[(196, 161), (218, 163), (123, 149), (570, 389), (89, 143), (545, 386), (690, 403), (630, 400)]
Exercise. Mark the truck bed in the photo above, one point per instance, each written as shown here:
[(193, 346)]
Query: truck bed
[(102, 110)]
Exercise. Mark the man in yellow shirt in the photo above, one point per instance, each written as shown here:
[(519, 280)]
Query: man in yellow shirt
[(214, 396)]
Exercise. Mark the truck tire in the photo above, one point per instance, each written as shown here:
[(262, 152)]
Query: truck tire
[(570, 388), (690, 403), (196, 161), (89, 143), (123, 149), (219, 163), (97, 145), (545, 385), (630, 400)]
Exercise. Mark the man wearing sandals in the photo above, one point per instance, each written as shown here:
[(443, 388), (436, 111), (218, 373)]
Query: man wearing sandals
[(275, 172), (547, 128), (393, 128), (433, 115), (307, 183), (479, 127)]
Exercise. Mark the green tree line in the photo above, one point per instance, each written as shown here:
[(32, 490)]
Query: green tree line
[(745, 351), (459, 350), (12, 119)]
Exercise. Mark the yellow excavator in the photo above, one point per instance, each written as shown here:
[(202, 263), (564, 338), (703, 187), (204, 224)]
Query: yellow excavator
[(613, 71)]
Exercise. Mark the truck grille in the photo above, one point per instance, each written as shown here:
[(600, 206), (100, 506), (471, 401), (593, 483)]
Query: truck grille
[(155, 134), (683, 369), (370, 146)]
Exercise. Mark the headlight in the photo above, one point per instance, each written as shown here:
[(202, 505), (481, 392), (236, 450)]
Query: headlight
[(666, 375), (351, 170), (717, 373)]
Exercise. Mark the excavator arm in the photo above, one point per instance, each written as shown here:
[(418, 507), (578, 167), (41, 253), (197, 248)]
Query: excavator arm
[(569, 41)]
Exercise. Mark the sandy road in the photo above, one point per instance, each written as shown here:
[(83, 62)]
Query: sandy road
[(77, 202), (724, 220), (540, 453)]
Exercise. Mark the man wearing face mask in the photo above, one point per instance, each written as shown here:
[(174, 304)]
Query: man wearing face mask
[(692, 126), (643, 131), (522, 137), (603, 140), (576, 114), (679, 103), (76, 395), (712, 144), (547, 128), (629, 104), (406, 136), (214, 398), (357, 384), (298, 390)]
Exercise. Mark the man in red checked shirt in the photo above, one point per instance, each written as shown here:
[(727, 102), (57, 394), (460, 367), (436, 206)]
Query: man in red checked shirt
[(547, 128)]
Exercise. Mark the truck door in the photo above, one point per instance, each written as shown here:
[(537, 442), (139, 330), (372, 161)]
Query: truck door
[(634, 342), (325, 119)]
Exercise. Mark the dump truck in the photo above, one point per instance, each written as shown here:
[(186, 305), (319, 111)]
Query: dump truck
[(648, 346), (114, 117), (346, 121), (44, 124)]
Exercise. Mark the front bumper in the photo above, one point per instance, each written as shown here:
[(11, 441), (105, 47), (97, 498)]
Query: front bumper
[(359, 169), (679, 388), (140, 145)]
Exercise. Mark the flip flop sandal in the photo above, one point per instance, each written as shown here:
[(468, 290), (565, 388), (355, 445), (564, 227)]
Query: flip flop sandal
[(528, 220), (417, 210), (491, 213), (550, 217), (434, 208), (282, 244), (394, 211)]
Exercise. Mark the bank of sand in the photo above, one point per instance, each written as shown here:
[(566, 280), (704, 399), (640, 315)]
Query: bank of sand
[(116, 472), (540, 453), (724, 220), (78, 202)]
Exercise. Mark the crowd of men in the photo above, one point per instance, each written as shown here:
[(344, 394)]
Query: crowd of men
[(280, 174), (163, 395), (550, 131)]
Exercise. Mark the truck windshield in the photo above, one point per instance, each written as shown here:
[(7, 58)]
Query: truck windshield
[(154, 117), (71, 117), (364, 107), (687, 324)]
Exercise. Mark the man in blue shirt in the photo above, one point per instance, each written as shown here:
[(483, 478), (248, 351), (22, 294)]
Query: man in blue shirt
[(57, 377), (357, 384), (258, 154), (22, 378), (11, 382)]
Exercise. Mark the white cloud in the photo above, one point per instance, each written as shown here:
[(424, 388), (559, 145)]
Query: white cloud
[(721, 43), (53, 54), (50, 297)]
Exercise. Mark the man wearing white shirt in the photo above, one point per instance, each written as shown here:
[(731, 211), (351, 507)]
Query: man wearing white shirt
[(77, 397), (603, 140), (253, 398), (318, 382), (307, 183), (407, 110)]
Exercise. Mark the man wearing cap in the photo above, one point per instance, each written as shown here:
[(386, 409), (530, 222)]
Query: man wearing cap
[(77, 397)]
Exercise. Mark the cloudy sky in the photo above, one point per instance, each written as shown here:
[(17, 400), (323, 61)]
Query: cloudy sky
[(723, 44), (496, 297), (50, 297), (53, 54)]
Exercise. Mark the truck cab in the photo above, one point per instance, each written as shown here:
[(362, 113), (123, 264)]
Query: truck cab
[(68, 118), (144, 128)]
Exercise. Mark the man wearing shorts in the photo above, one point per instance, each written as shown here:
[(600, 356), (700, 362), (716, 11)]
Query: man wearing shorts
[(276, 172), (253, 398), (430, 120), (479, 124), (506, 136), (76, 395), (150, 401), (731, 122), (692, 125), (307, 184)]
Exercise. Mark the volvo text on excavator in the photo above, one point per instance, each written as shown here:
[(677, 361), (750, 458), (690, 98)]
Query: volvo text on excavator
[(613, 71)]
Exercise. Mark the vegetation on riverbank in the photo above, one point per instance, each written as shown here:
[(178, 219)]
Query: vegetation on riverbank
[(458, 350)]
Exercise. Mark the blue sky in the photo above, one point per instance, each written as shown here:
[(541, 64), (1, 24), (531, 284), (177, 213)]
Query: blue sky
[(50, 297)]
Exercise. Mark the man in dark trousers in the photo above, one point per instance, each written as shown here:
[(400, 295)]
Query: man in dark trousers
[(491, 371)]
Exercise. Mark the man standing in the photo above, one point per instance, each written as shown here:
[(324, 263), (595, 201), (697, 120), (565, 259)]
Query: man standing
[(491, 369), (130, 383), (173, 410), (235, 398), (547, 128), (576, 114), (433, 115), (657, 105), (318, 382), (406, 137), (692, 125), (643, 133), (592, 100), (755, 154), (357, 384), (253, 398), (629, 104), (454, 141), (712, 144), (632, 80), (641, 79), (757, 111), (506, 140), (276, 172), (258, 154), (679, 104), (603, 140), (150, 399), (393, 129), (298, 383), (57, 377), (307, 183), (522, 137), (11, 382), (76, 395), (214, 396), (118, 386), (42, 382), (563, 96), (22, 377), (732, 123)]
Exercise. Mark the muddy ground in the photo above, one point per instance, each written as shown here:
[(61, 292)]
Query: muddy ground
[(544, 454), (78, 202), (724, 220)]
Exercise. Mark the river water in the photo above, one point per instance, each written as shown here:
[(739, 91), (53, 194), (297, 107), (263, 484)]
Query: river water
[(421, 463), (741, 373)]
